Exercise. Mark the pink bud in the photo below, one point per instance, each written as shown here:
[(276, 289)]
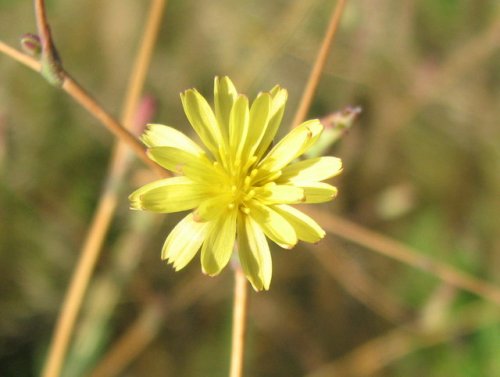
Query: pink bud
[(144, 114), (30, 43)]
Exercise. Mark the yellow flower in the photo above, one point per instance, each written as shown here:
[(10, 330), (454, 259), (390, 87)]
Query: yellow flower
[(239, 189)]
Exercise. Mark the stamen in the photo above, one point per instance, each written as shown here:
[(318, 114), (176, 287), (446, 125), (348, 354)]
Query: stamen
[(245, 210), (274, 175), (246, 182), (249, 195), (250, 161)]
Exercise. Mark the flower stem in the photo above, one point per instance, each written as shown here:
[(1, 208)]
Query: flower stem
[(239, 322), (319, 64)]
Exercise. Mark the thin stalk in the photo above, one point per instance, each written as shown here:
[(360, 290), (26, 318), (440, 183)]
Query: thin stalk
[(137, 337), (402, 253), (20, 57), (107, 202), (82, 97), (319, 64), (51, 68), (240, 299)]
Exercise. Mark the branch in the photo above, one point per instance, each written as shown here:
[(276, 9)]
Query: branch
[(319, 64)]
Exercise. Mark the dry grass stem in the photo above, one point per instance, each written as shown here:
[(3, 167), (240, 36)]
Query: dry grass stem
[(20, 57), (140, 334), (376, 354), (82, 97), (319, 64), (133, 342), (106, 206), (399, 251), (358, 283)]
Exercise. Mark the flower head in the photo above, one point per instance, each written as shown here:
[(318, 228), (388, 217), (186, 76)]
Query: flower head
[(238, 188)]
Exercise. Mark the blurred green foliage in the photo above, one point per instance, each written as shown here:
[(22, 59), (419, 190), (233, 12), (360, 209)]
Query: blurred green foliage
[(422, 164)]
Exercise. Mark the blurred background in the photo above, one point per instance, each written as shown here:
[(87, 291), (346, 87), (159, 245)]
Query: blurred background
[(421, 165)]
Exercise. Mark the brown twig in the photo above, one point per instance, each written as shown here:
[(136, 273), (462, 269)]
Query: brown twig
[(82, 97), (376, 354), (239, 322), (319, 64), (20, 57), (108, 200), (357, 283), (51, 68), (138, 336), (399, 251)]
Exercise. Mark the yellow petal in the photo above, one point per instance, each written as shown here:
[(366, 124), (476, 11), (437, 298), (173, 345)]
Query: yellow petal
[(254, 253), (317, 192), (259, 116), (183, 242), (212, 208), (238, 126), (272, 193), (219, 245), (316, 128), (224, 97), (197, 167), (203, 120), (291, 146), (169, 195), (306, 228), (273, 224), (314, 169), (278, 102), (158, 135)]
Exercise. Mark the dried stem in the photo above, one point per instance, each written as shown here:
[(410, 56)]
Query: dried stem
[(20, 57), (342, 267), (239, 322), (108, 200), (138, 336), (141, 333), (43, 26), (76, 291), (141, 64), (319, 64), (71, 87), (51, 68), (82, 97), (399, 251), (374, 355)]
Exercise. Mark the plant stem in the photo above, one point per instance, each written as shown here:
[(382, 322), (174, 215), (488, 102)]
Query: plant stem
[(239, 322), (109, 198), (319, 64), (20, 57), (400, 252), (81, 96), (51, 68)]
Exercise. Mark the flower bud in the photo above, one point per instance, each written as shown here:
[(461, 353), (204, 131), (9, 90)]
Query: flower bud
[(30, 43)]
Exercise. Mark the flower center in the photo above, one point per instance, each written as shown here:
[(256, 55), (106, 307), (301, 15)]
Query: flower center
[(240, 186)]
